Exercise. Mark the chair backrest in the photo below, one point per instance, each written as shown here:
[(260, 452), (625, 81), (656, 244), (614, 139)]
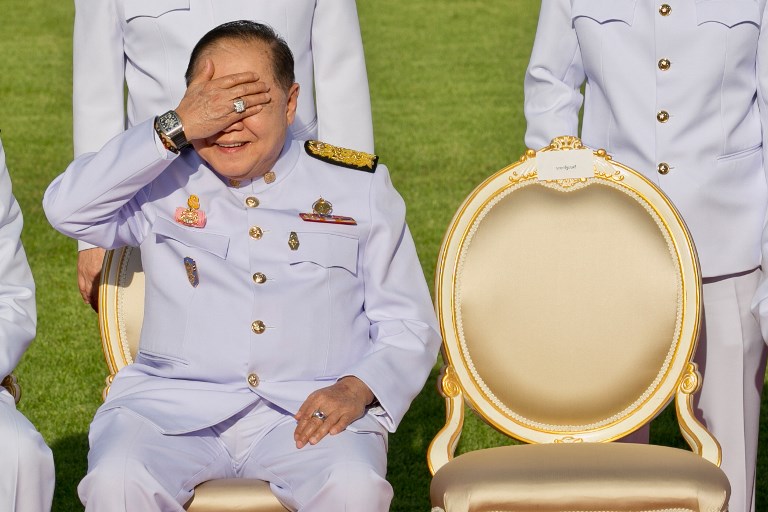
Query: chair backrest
[(121, 308), (569, 308)]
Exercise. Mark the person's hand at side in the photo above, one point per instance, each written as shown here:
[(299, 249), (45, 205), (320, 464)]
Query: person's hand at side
[(331, 410), (89, 263)]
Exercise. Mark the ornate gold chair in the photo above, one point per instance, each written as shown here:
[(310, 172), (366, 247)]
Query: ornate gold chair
[(570, 310), (121, 312)]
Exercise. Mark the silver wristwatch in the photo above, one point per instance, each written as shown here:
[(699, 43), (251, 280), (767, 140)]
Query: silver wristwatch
[(169, 125)]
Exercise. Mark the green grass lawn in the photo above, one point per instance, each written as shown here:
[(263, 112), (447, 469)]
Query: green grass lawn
[(446, 84)]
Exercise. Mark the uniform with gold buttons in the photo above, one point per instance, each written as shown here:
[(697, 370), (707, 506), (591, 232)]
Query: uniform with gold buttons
[(303, 276), (677, 90)]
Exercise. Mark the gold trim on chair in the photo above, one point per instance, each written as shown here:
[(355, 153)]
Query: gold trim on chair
[(570, 310)]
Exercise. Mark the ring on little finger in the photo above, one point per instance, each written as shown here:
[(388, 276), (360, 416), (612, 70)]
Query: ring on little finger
[(239, 105)]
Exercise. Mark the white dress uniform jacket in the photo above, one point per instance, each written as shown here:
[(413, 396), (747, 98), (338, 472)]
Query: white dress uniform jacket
[(27, 476), (283, 306), (678, 93), (145, 44), (677, 89)]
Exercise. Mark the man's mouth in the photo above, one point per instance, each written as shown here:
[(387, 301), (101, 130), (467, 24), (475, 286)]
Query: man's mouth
[(230, 145)]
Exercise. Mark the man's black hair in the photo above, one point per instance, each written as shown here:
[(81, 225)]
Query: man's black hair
[(247, 31)]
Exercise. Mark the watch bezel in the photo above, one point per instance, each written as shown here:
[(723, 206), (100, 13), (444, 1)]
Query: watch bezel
[(171, 126)]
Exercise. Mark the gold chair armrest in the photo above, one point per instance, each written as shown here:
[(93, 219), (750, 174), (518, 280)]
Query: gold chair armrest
[(700, 440), (443, 446)]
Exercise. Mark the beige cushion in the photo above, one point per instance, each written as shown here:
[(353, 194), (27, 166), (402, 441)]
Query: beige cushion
[(234, 495), (612, 477)]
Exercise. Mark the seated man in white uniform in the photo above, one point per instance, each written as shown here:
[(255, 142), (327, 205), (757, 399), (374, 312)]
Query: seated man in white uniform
[(287, 322), (26, 476)]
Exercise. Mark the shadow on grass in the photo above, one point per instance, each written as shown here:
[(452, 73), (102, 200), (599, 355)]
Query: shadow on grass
[(407, 460), (70, 456)]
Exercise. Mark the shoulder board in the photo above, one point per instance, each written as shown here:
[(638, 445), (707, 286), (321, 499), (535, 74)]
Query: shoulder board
[(341, 156)]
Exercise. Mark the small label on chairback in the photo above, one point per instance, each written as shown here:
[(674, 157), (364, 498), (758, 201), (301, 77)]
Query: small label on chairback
[(563, 165)]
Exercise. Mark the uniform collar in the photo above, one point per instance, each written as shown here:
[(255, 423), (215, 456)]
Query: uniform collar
[(286, 162)]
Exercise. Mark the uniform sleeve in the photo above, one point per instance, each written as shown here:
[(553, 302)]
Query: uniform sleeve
[(403, 329), (341, 83), (98, 75), (554, 76), (760, 302), (100, 197), (18, 316)]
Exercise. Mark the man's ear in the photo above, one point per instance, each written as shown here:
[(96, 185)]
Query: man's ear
[(293, 98)]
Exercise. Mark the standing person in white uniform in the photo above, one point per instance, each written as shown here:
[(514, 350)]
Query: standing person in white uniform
[(144, 45), (287, 324), (27, 475), (677, 89)]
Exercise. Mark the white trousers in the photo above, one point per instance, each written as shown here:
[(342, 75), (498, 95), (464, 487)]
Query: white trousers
[(132, 466), (27, 475), (731, 357)]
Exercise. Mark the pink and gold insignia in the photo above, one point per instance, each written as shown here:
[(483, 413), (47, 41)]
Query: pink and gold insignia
[(191, 216), (331, 219)]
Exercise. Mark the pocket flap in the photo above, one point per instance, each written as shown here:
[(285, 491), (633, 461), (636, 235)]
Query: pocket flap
[(327, 250), (214, 243), (603, 11), (152, 8), (728, 13)]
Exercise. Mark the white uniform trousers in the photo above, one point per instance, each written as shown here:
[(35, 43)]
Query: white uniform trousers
[(27, 475), (132, 466), (731, 357)]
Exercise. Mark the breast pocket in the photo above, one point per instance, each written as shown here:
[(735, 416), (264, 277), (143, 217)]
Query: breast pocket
[(326, 250), (194, 238), (179, 267), (152, 8), (728, 13), (604, 11)]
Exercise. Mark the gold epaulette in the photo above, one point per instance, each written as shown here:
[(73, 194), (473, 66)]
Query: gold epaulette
[(341, 156)]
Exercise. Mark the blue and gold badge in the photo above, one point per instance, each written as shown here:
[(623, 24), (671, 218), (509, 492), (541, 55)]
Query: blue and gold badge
[(192, 275)]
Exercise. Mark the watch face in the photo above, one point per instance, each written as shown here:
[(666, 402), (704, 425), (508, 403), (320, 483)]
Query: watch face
[(168, 122)]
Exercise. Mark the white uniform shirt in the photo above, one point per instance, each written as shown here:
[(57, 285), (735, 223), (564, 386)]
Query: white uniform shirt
[(283, 306), (678, 86), (18, 315), (146, 44)]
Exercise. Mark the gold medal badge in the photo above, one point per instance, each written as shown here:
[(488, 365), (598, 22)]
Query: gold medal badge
[(191, 216)]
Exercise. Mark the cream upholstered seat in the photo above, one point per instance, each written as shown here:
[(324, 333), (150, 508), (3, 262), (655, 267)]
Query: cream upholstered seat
[(121, 312), (570, 311)]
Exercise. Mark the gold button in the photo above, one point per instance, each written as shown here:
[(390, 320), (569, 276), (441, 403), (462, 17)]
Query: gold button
[(251, 202), (256, 232), (662, 116), (253, 380), (258, 327), (663, 168), (664, 64), (665, 9), (259, 278)]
